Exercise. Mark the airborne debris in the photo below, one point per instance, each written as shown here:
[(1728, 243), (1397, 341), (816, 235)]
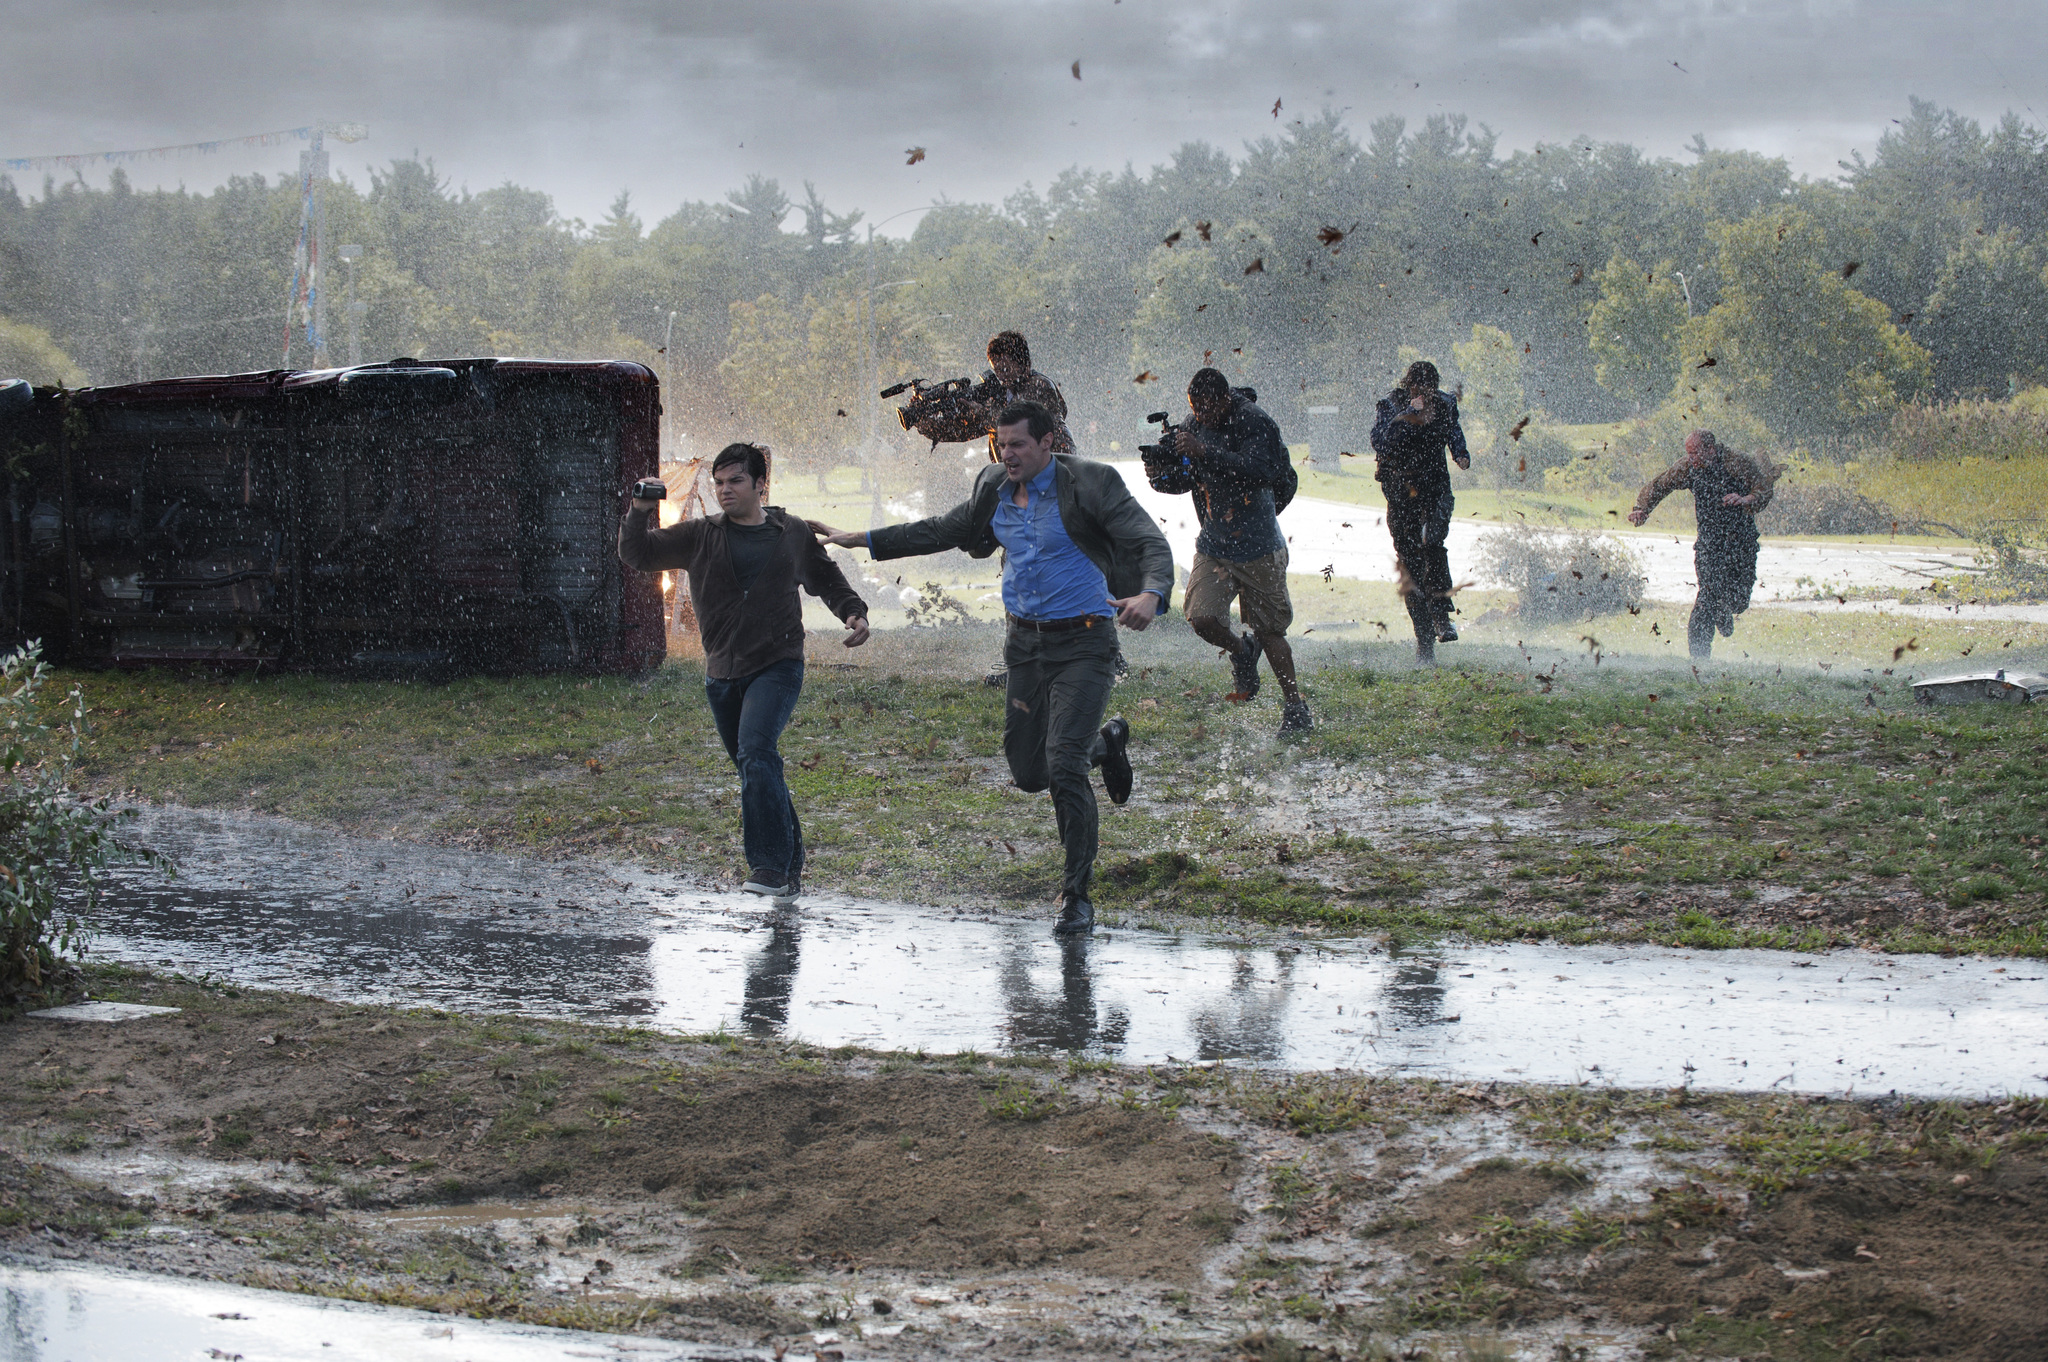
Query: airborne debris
[(1257, 266), (1077, 68), (1276, 108), (1202, 230), (915, 154), (1515, 433), (1851, 268), (1173, 239)]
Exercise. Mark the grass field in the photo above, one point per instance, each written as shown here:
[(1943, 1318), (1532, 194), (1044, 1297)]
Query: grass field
[(1570, 784)]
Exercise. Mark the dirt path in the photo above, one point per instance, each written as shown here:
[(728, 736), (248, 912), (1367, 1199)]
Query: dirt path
[(737, 1192)]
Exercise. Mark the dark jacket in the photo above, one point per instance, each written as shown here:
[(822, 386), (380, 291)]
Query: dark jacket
[(1241, 478), (743, 631), (991, 395), (1100, 515), (1726, 472), (1411, 468)]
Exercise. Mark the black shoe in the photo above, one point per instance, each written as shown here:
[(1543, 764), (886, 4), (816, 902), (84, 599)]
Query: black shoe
[(1447, 632), (1244, 668), (997, 675), (1295, 718), (767, 883), (1116, 762), (1077, 917)]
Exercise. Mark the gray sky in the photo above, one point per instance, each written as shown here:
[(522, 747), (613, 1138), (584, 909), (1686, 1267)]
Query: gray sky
[(677, 99)]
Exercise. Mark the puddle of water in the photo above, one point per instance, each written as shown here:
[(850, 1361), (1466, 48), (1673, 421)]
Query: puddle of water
[(69, 1314), (273, 904)]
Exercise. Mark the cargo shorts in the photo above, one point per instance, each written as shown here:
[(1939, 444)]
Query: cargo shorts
[(1259, 587)]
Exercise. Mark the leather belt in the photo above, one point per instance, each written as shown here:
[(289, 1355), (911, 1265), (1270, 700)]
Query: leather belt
[(1056, 626)]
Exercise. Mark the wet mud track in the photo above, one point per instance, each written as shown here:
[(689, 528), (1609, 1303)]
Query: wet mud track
[(269, 903)]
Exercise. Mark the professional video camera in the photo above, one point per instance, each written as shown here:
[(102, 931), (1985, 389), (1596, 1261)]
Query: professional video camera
[(1167, 467), (942, 412)]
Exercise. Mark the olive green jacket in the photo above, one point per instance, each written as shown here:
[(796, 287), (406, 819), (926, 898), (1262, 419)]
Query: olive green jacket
[(1100, 515)]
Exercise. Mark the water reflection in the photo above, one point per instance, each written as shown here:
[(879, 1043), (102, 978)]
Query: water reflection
[(771, 977), (1062, 1018), (267, 903)]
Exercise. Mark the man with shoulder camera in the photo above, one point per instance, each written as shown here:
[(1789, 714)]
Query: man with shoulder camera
[(1080, 556), (1229, 455), (744, 568), (1728, 491), (1413, 427), (1011, 379)]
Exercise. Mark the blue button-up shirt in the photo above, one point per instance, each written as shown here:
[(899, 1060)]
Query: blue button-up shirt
[(1044, 576)]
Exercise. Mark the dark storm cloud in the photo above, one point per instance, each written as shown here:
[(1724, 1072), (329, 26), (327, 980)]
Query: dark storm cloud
[(678, 101)]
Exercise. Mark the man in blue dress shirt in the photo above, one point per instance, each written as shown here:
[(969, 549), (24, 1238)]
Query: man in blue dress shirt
[(1080, 556)]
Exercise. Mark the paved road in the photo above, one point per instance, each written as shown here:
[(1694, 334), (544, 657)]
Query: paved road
[(1352, 542)]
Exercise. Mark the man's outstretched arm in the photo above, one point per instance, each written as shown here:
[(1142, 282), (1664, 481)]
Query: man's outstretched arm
[(1673, 479)]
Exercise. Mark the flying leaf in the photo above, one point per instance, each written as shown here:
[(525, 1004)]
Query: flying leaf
[(1538, 238), (1146, 377), (1201, 307), (1257, 266), (1515, 431), (915, 154), (1276, 108), (1707, 363), (1912, 644), (1173, 240), (1202, 230), (842, 411), (1578, 274), (1522, 464), (1851, 268), (1077, 68), (1330, 236)]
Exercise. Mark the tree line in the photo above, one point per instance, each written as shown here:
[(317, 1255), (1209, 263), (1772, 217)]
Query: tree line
[(1576, 281)]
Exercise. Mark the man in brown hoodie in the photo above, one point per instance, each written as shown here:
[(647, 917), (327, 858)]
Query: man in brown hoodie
[(744, 568)]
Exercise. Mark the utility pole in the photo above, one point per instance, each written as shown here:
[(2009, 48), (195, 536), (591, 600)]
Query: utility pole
[(668, 341), (351, 254), (313, 169)]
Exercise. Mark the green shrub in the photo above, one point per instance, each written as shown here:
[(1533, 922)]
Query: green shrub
[(54, 847)]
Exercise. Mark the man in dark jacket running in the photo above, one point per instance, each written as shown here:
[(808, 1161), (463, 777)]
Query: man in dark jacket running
[(1080, 556), (1229, 455), (1414, 425), (1728, 491), (744, 569)]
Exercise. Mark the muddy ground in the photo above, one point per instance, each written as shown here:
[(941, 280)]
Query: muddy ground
[(743, 1192)]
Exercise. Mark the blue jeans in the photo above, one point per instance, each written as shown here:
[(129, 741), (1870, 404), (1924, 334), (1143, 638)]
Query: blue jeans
[(751, 712)]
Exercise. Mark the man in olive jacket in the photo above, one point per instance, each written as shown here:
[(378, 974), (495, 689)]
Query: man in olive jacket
[(1080, 556), (744, 568)]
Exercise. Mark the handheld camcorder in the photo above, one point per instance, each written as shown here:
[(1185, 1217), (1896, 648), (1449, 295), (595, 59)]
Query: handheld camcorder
[(942, 412), (1163, 455), (650, 489)]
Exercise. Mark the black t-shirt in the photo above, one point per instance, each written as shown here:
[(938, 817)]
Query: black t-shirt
[(751, 547)]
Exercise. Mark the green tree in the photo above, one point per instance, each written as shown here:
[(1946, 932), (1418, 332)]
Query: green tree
[(1987, 316), (1491, 365), (28, 351), (1635, 328), (1792, 340)]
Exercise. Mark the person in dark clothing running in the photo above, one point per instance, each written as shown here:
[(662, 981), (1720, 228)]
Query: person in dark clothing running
[(1080, 556), (1728, 491), (744, 568), (1230, 456), (1414, 425)]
